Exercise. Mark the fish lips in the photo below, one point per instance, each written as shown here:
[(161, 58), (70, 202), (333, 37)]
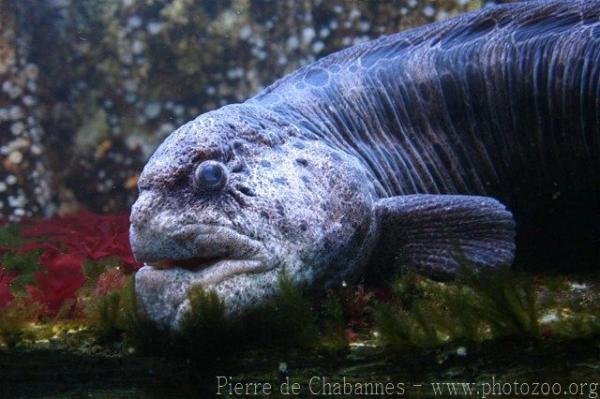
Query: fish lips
[(219, 253)]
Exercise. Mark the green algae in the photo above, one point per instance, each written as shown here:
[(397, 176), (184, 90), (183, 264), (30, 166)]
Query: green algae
[(14, 322), (10, 236), (420, 314), (286, 323), (24, 266), (494, 305), (451, 331), (499, 323), (110, 316)]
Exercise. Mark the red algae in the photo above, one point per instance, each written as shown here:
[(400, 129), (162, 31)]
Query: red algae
[(67, 245)]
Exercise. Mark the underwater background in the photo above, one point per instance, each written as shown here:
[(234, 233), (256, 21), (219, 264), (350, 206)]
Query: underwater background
[(89, 88)]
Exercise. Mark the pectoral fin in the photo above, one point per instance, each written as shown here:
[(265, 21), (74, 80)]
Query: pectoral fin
[(438, 233)]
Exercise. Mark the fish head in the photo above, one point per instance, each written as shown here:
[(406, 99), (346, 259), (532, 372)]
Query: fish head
[(235, 198)]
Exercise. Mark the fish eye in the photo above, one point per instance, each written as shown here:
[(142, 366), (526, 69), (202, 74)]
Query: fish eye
[(210, 176)]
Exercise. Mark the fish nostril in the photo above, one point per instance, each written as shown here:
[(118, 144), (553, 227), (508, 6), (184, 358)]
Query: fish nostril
[(237, 167), (245, 190)]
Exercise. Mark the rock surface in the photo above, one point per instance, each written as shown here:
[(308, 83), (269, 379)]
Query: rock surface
[(90, 88)]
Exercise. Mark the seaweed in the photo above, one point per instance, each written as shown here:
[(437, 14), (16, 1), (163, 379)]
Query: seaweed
[(48, 289), (288, 325), (287, 321), (14, 321), (23, 266), (10, 236), (505, 300), (114, 315), (477, 306), (205, 331), (106, 318), (334, 342)]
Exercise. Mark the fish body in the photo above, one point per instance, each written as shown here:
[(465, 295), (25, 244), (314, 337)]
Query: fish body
[(410, 146)]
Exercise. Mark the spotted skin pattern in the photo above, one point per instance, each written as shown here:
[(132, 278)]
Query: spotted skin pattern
[(405, 148)]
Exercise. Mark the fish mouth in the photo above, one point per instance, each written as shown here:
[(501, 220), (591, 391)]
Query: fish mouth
[(198, 255), (193, 264), (213, 253), (211, 270)]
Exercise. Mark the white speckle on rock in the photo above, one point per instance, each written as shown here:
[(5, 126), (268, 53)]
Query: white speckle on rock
[(32, 86), (556, 195), (308, 34), (442, 15), (17, 128), (130, 98), (7, 87), (283, 368), (259, 42), (428, 11), (11, 179), (15, 157), (578, 286), (234, 73), (179, 110), (134, 22), (317, 47), (166, 128), (154, 27), (29, 100), (130, 85), (17, 201), (152, 109), (31, 71), (138, 47), (292, 43), (549, 317), (126, 58), (245, 32), (16, 112), (211, 90), (282, 60)]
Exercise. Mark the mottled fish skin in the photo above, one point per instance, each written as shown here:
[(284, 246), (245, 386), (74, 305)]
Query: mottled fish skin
[(463, 106), (383, 146)]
